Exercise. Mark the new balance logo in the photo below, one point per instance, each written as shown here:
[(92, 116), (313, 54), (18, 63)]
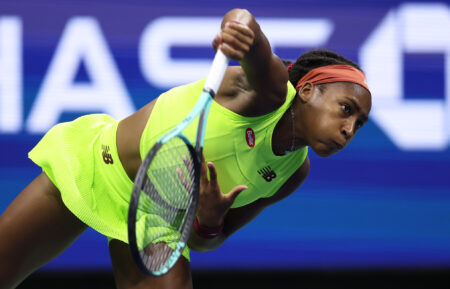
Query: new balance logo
[(107, 158), (267, 173)]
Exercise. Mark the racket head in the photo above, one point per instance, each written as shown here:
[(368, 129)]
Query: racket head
[(163, 205)]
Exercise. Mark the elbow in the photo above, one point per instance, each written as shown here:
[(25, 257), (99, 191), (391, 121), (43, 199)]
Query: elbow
[(242, 16), (239, 13)]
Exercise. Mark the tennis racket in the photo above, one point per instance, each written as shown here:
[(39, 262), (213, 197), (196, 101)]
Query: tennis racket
[(166, 188)]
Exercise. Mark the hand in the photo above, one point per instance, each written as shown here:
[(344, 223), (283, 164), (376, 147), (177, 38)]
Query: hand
[(235, 40), (213, 205)]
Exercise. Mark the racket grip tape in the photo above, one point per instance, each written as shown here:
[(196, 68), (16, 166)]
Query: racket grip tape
[(216, 72)]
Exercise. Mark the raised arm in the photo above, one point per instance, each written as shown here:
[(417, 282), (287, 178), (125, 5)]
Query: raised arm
[(242, 39), (234, 219)]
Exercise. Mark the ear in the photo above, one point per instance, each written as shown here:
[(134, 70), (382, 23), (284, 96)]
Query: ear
[(305, 92)]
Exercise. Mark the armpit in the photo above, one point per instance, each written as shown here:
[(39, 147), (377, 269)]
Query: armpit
[(241, 82)]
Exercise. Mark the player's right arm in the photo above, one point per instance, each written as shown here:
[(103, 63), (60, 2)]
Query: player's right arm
[(242, 39)]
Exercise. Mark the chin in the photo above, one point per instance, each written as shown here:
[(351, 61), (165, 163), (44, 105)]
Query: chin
[(324, 153)]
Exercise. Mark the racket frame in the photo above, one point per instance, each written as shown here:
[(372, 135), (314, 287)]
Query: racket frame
[(187, 220), (201, 109)]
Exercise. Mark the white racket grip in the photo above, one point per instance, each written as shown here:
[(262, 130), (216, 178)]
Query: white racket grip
[(217, 71)]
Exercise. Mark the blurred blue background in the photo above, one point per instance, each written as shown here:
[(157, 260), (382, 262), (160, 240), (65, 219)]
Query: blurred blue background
[(384, 202)]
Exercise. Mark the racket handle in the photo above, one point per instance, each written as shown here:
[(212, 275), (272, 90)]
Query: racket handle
[(216, 72)]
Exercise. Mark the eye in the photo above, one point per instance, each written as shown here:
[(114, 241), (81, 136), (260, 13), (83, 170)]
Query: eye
[(346, 108)]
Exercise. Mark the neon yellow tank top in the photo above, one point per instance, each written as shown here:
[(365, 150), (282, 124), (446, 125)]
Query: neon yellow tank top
[(240, 147)]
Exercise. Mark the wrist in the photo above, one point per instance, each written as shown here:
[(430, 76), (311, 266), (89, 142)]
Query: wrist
[(207, 232)]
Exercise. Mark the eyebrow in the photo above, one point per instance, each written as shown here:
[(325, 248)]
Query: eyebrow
[(358, 108)]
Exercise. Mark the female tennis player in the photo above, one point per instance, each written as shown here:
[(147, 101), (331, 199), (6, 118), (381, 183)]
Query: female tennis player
[(263, 119)]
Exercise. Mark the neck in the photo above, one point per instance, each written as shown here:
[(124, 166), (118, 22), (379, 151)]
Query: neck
[(284, 134)]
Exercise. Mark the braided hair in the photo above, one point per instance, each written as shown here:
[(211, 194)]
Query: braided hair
[(314, 59)]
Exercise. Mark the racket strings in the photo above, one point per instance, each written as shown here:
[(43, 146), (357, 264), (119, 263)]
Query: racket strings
[(164, 203)]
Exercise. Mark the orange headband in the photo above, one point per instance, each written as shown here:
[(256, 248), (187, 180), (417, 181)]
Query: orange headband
[(334, 73)]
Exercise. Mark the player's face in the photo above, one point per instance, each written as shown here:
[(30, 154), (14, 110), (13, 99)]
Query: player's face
[(334, 115)]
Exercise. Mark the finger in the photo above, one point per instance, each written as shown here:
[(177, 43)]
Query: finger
[(241, 32), (212, 174), (242, 28), (232, 195), (231, 52), (188, 163), (203, 172), (217, 41), (236, 40), (184, 181)]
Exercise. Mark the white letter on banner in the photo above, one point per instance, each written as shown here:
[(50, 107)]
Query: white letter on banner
[(413, 28), (82, 40), (10, 74), (163, 33)]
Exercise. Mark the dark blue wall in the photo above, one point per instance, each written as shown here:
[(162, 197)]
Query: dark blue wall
[(383, 202)]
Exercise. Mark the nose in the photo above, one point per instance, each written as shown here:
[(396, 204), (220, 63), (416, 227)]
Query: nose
[(348, 130)]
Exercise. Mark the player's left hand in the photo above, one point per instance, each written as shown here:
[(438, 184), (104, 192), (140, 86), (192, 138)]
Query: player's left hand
[(213, 205)]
